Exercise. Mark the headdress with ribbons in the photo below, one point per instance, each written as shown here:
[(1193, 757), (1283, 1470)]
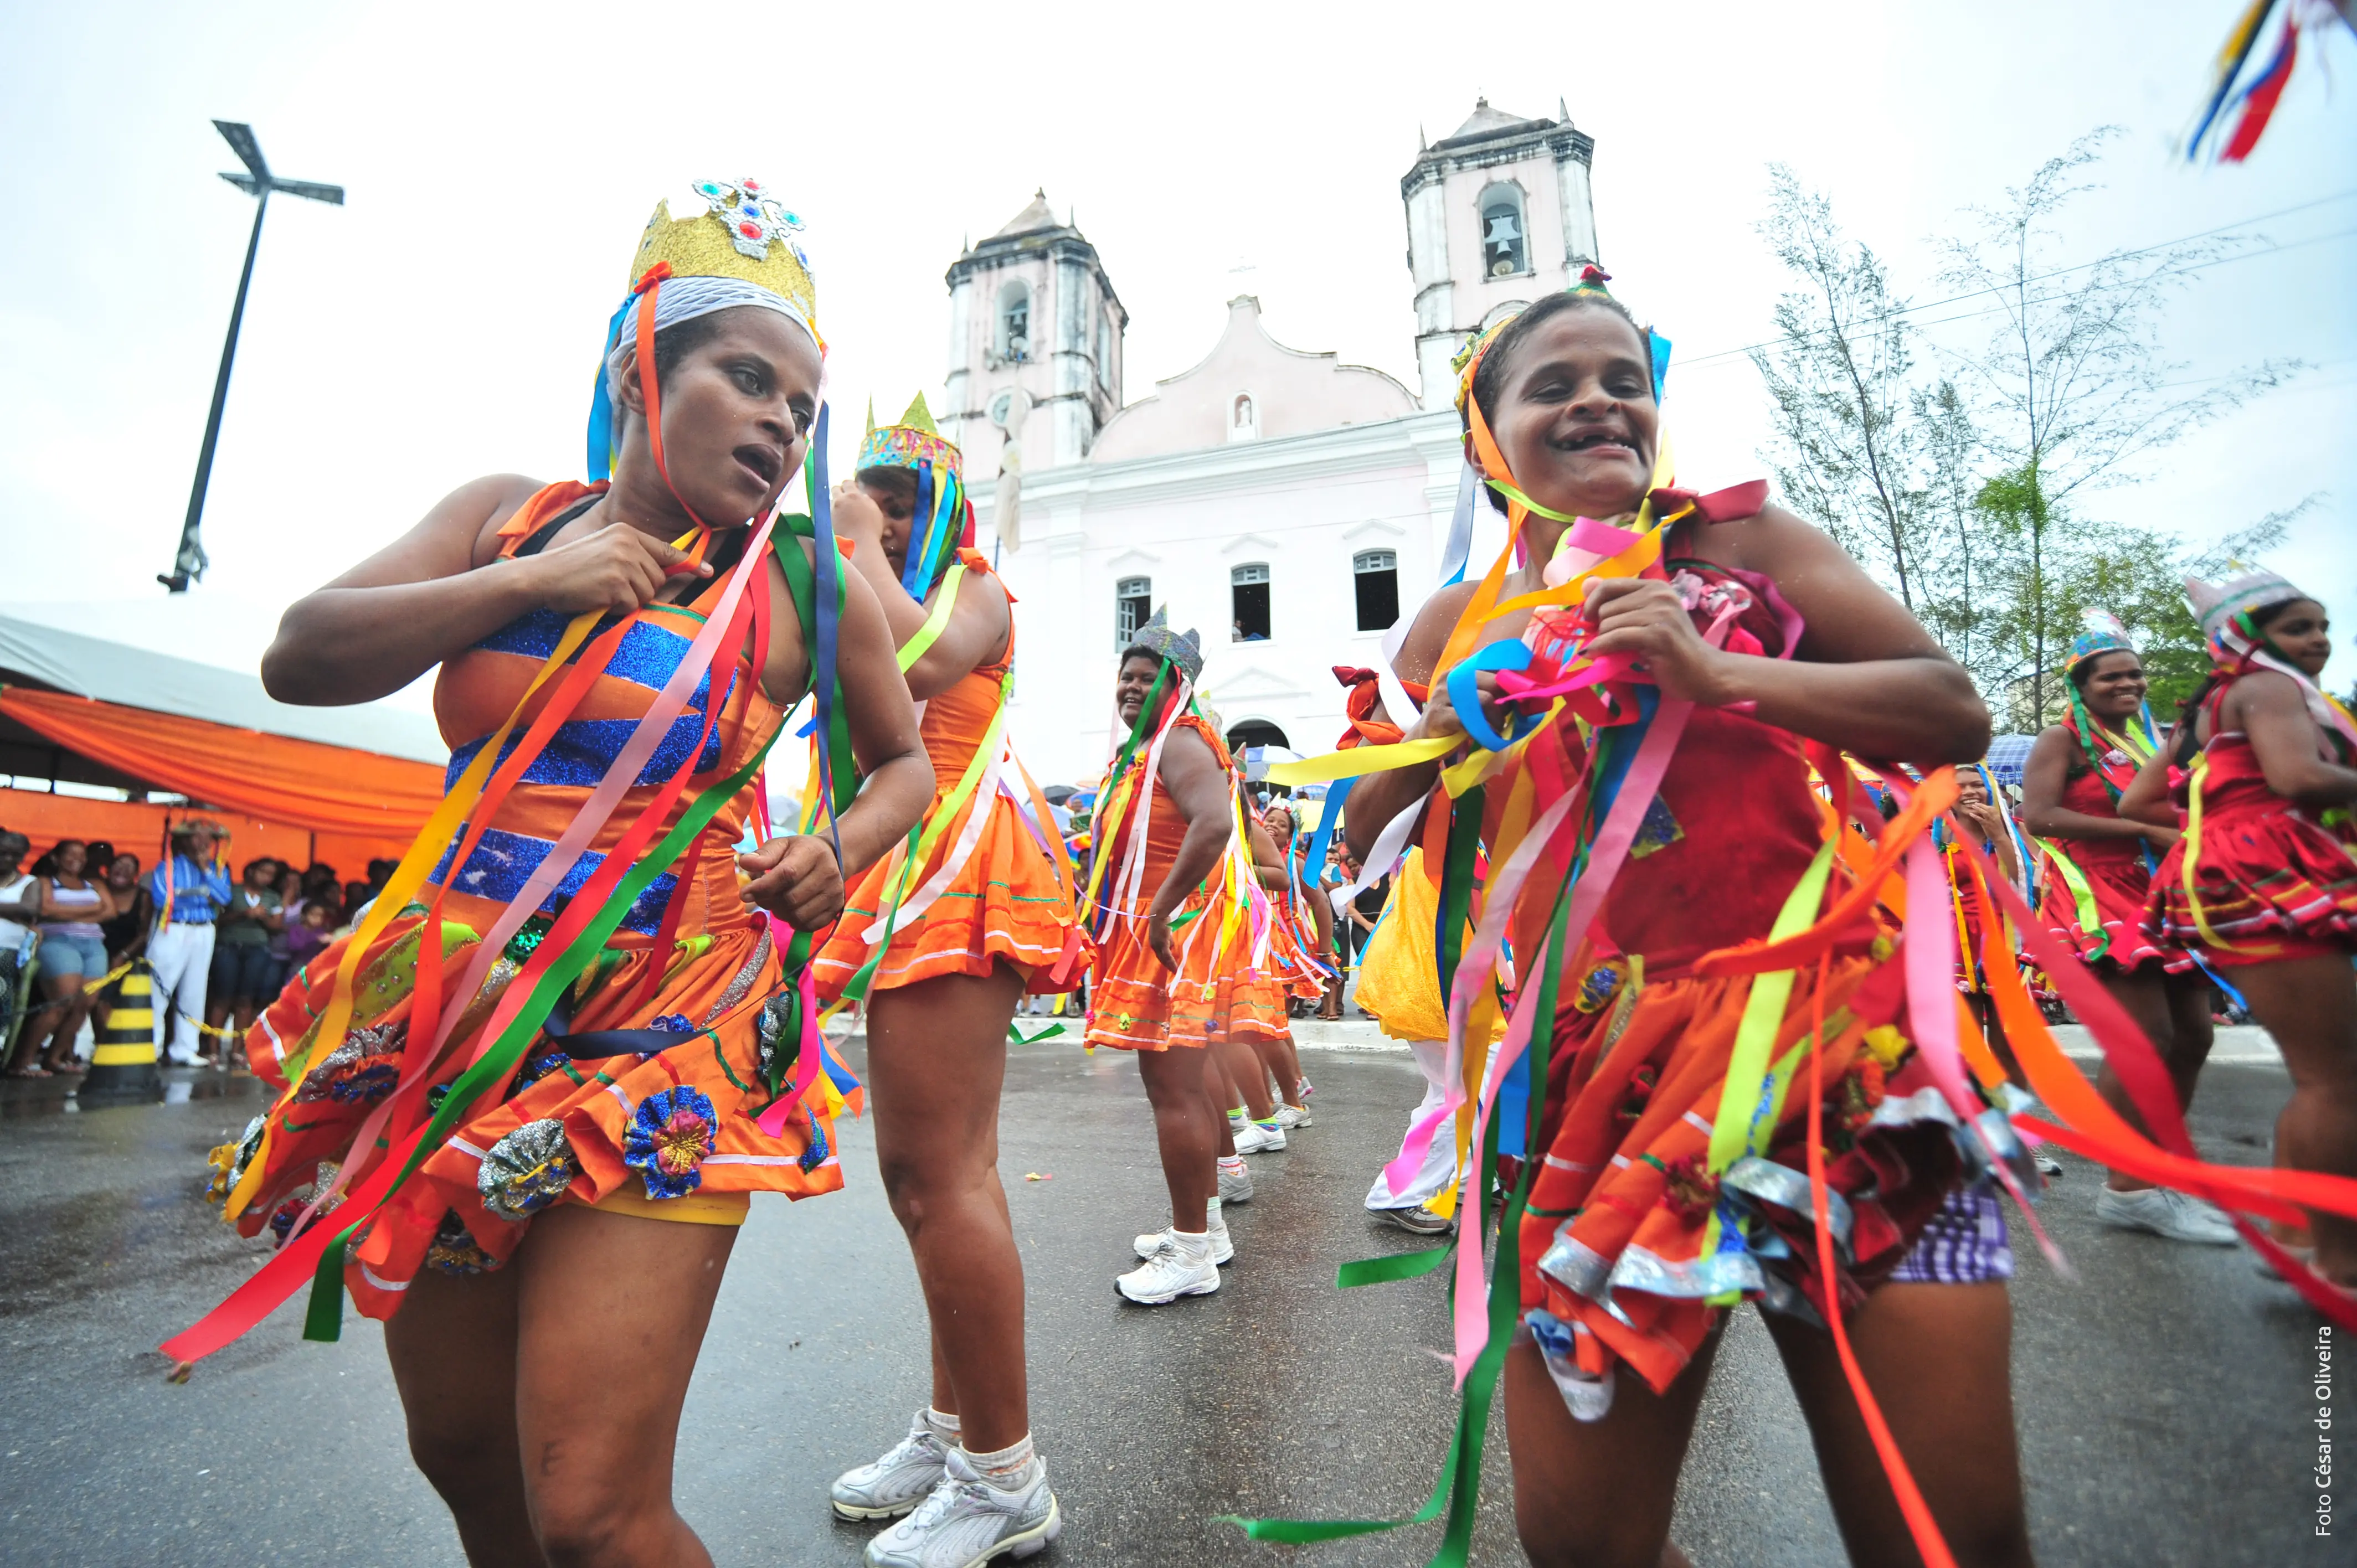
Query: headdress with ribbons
[(2228, 613), (2114, 754), (943, 519)]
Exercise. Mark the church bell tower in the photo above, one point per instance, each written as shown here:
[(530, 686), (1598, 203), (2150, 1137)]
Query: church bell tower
[(1035, 347), (1498, 214)]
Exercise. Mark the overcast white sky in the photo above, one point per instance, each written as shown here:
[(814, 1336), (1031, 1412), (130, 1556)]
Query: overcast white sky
[(502, 159)]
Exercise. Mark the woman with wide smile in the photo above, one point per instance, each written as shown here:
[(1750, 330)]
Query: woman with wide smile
[(1734, 637)]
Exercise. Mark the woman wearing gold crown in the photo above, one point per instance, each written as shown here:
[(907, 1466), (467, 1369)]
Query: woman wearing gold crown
[(2263, 766), (526, 1142), (1638, 864), (942, 938)]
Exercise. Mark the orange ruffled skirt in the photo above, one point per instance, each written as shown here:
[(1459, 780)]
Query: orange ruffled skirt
[(1007, 904), (1612, 1242), (634, 1132)]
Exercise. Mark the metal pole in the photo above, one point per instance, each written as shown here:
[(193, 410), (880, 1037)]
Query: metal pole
[(187, 559)]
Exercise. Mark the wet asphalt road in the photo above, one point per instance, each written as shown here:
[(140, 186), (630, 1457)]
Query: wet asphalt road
[(2163, 1398)]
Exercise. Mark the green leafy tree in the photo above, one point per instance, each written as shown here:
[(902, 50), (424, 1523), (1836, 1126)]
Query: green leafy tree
[(2070, 396)]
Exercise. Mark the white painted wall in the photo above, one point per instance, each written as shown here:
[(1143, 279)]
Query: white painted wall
[(1304, 504)]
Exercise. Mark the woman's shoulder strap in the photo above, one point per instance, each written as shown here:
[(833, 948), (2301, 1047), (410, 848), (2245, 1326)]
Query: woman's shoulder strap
[(546, 506)]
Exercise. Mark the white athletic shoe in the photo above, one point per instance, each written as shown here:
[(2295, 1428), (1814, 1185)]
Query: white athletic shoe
[(2165, 1213), (1289, 1117), (966, 1521), (1223, 1250), (1235, 1185), (1172, 1272), (895, 1482), (1254, 1138)]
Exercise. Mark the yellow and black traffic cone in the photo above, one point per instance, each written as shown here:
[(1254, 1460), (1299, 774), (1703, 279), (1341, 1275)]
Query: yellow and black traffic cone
[(122, 1069)]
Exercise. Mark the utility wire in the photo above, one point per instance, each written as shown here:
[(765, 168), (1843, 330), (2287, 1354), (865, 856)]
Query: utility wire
[(1697, 362)]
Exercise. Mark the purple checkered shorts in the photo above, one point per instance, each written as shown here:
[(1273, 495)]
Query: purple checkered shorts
[(1965, 1244)]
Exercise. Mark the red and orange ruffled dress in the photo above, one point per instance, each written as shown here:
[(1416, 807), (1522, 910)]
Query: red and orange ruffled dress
[(2271, 879), (1134, 1004), (1007, 896), (640, 1094)]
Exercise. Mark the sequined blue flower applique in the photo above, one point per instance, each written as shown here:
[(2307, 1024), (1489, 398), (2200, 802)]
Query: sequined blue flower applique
[(675, 1023), (670, 1138), (526, 1171), (815, 1154)]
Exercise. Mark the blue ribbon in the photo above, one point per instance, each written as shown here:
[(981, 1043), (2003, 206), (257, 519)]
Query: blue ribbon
[(601, 406), (823, 662), (1465, 693)]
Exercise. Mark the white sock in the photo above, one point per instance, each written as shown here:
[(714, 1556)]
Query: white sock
[(1193, 1246), (944, 1424), (1232, 1164), (1009, 1469)]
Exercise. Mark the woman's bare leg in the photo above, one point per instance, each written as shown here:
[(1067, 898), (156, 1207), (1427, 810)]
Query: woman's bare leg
[(1247, 1079), (453, 1349), (936, 1066), (1598, 1494), (1189, 1128), (2310, 1005), (1939, 1360), (1284, 1064), (610, 1313), (2145, 996)]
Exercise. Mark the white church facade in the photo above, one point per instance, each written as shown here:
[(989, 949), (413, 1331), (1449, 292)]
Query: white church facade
[(1289, 505)]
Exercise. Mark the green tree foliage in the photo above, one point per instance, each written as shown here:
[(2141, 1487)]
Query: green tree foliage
[(1971, 494)]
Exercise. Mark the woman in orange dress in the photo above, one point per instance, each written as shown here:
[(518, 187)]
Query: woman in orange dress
[(942, 938), (1163, 911), (530, 1095), (1638, 1229)]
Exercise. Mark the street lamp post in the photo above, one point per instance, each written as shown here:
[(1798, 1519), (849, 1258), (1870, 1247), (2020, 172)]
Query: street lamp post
[(258, 182)]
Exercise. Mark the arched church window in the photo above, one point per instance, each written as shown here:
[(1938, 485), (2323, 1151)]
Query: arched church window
[(1133, 607), (1505, 235), (1375, 573), (1015, 322), (1248, 596), (1105, 352), (1244, 418)]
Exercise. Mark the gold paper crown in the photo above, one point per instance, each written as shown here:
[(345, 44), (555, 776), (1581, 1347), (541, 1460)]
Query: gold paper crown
[(746, 234)]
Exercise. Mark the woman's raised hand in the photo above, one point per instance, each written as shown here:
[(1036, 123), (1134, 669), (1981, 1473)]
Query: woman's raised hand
[(1647, 621), (796, 879), (858, 517), (616, 569)]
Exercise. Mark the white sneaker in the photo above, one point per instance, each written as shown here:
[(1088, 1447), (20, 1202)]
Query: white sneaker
[(1254, 1138), (1235, 1185), (895, 1482), (1223, 1250), (1172, 1272), (966, 1521), (1289, 1117), (2165, 1213)]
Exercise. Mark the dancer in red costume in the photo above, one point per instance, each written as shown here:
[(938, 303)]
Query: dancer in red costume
[(1611, 1275), (944, 937), (537, 1132), (2264, 882), (2098, 875)]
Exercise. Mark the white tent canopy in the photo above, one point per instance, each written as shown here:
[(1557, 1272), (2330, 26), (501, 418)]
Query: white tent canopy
[(196, 656)]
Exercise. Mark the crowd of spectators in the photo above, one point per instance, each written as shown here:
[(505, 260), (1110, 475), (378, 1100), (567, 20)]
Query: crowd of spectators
[(74, 921)]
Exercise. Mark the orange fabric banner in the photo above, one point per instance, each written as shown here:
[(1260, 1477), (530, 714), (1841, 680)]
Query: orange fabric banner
[(290, 783)]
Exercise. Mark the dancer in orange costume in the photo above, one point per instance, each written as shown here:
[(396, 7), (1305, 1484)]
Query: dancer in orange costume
[(486, 1102), (942, 939), (2099, 867), (2264, 881), (1164, 904), (1626, 1248)]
